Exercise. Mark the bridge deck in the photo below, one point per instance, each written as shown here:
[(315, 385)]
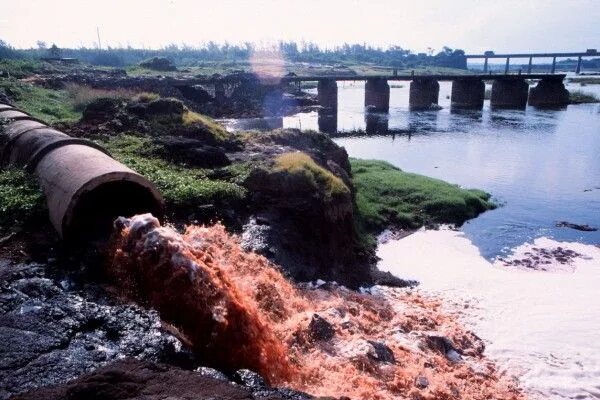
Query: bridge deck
[(534, 55), (449, 77)]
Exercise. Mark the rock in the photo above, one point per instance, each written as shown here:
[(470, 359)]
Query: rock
[(380, 352), (159, 64), (192, 152), (320, 329), (249, 379), (50, 334), (165, 107), (584, 227), (211, 373), (133, 379), (101, 109), (453, 356), (421, 382), (444, 346), (385, 278)]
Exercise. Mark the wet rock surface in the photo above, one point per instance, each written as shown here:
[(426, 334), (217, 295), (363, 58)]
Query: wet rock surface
[(135, 379), (51, 333), (193, 152), (320, 329), (578, 227), (543, 259)]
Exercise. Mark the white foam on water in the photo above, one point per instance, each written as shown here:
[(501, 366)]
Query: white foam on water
[(542, 327)]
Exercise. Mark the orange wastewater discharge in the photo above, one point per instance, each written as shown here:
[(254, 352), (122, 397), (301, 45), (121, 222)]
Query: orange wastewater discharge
[(237, 310)]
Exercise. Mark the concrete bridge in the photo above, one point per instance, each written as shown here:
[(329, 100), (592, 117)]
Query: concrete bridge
[(468, 91), (490, 54)]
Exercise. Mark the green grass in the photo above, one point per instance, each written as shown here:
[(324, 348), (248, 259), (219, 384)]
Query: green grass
[(579, 97), (19, 68), (586, 80), (219, 133), (21, 199), (387, 196), (45, 104), (301, 168), (182, 187)]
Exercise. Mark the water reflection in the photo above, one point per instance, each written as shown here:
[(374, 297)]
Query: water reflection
[(327, 121), (377, 123), (422, 121)]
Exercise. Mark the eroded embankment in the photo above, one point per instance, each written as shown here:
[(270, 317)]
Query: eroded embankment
[(237, 310)]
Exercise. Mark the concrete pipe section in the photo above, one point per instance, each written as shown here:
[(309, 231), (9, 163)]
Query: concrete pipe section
[(85, 188)]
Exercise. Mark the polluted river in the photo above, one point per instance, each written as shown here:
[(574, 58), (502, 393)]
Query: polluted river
[(520, 276)]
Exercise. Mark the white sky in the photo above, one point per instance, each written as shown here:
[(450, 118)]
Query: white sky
[(473, 25)]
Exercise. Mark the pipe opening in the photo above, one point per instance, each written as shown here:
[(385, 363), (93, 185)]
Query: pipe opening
[(95, 211)]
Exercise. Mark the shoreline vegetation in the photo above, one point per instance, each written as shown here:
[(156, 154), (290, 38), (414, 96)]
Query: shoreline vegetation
[(387, 197), (580, 97)]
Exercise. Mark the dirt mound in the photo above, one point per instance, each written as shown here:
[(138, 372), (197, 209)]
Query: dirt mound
[(159, 64)]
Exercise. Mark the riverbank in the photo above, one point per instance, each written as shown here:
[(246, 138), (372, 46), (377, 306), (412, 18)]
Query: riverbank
[(536, 317), (291, 198)]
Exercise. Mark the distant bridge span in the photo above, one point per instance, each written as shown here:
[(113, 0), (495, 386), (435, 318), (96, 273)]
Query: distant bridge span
[(412, 77), (490, 54)]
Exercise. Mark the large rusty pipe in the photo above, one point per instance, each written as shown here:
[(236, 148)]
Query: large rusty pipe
[(85, 188)]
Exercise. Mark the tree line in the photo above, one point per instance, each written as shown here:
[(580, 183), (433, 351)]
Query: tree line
[(184, 55)]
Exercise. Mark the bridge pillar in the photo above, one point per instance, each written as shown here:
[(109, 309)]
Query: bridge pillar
[(530, 64), (549, 93), (376, 124), (467, 94), (509, 93), (578, 69), (553, 64), (485, 66), (377, 95), (327, 94), (219, 92), (327, 121), (507, 66), (423, 93)]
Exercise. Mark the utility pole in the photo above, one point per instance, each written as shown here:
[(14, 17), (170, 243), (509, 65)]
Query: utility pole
[(99, 42)]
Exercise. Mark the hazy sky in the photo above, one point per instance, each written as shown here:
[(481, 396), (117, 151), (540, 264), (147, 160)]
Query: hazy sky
[(500, 25)]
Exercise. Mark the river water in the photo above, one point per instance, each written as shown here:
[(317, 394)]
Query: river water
[(542, 167)]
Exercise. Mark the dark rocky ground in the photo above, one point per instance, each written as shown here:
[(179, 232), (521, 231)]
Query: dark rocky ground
[(134, 379), (55, 328), (243, 95)]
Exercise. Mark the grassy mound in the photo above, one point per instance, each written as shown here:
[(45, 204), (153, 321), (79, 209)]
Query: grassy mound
[(301, 168), (45, 104), (219, 133), (21, 199), (579, 97), (386, 196), (182, 187)]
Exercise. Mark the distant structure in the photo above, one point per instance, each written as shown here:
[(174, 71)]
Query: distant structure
[(490, 54)]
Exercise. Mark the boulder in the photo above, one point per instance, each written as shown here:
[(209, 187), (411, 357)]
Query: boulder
[(159, 64), (320, 329), (250, 379), (380, 352), (102, 109), (192, 152)]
